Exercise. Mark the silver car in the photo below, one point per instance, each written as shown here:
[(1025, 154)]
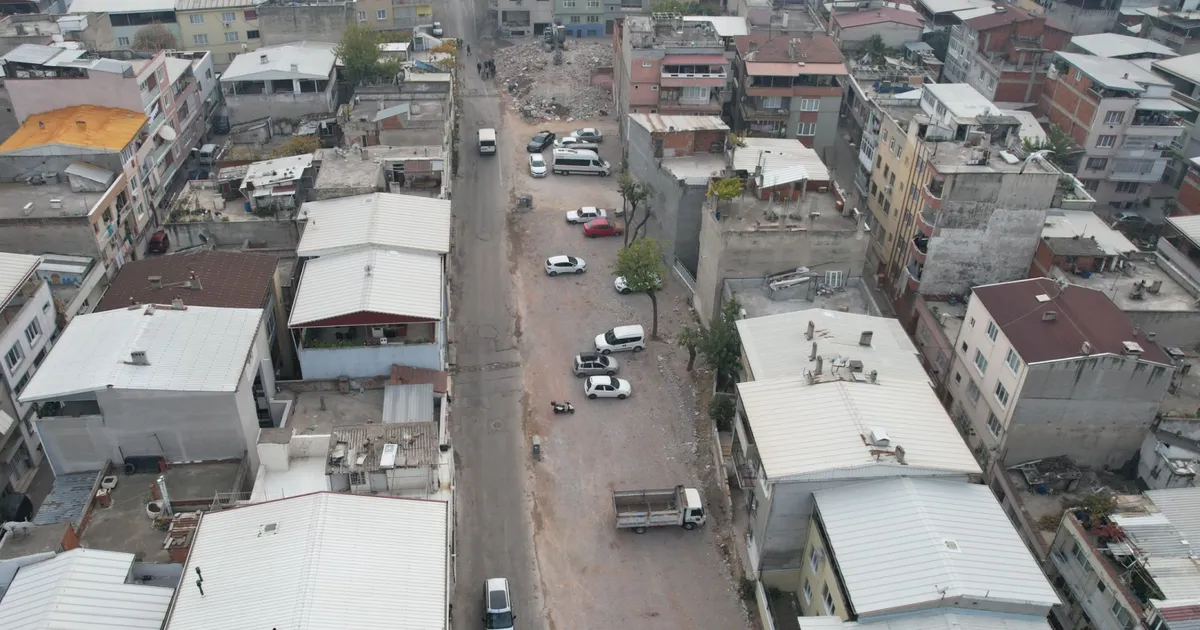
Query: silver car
[(594, 364)]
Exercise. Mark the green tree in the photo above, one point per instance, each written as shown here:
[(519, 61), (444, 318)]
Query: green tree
[(641, 263), (154, 37), (721, 346), (876, 49), (690, 338), (721, 410), (1063, 152), (727, 189), (297, 145), (359, 54), (633, 193), (939, 41)]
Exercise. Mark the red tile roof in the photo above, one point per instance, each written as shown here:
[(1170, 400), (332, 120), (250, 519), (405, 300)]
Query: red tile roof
[(1180, 613), (1008, 16), (888, 14), (227, 280), (817, 48), (404, 375), (1082, 314)]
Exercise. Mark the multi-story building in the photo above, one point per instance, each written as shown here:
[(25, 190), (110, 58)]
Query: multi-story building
[(1043, 368), (1117, 46), (1081, 17), (790, 87), (1175, 24), (1123, 117), (1184, 75), (1132, 568), (388, 15), (227, 28), (580, 18), (522, 18), (1188, 201), (894, 26), (128, 18), (286, 81), (670, 65), (1003, 55), (28, 328)]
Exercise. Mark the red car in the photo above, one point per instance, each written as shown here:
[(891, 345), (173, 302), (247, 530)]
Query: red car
[(601, 227)]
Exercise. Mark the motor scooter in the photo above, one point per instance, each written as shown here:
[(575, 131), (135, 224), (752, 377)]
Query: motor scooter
[(562, 407)]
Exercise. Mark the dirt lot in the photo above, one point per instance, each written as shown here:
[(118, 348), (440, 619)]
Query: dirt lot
[(593, 575)]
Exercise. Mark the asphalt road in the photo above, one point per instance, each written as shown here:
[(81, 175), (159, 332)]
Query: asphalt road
[(494, 533)]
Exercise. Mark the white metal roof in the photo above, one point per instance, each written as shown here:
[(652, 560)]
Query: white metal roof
[(775, 345), (1086, 224), (407, 222), (1030, 129), (202, 5), (1188, 225), (947, 6), (284, 170), (301, 60), (905, 541), (1116, 45), (371, 280), (1187, 66), (817, 431), (176, 67), (324, 560), (783, 160), (1118, 74), (200, 349), (657, 123), (934, 620), (962, 100), (121, 6), (725, 25), (82, 589), (15, 269)]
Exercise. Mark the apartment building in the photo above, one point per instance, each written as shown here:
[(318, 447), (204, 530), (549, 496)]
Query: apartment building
[(388, 15), (671, 65), (128, 18), (1184, 75), (1081, 17), (580, 18), (522, 18), (28, 328), (1043, 368), (1003, 55), (228, 28), (285, 81), (1188, 200), (1175, 24), (790, 87), (1123, 117)]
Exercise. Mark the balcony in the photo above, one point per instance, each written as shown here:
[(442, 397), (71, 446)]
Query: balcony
[(918, 248), (1071, 195), (1186, 99), (752, 110), (699, 75), (926, 220), (912, 271), (932, 192), (1145, 118), (708, 107)]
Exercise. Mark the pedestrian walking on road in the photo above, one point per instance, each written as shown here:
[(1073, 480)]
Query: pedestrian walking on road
[(479, 68), (468, 49)]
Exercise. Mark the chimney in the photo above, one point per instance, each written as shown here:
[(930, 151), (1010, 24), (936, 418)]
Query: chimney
[(138, 357), (865, 338), (81, 125), (812, 328), (1050, 316), (1085, 349), (1151, 335), (813, 356), (899, 450), (262, 58), (295, 67), (873, 376), (155, 282), (820, 364), (177, 304), (193, 281), (792, 50)]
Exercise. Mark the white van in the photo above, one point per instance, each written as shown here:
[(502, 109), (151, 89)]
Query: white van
[(621, 338), (583, 162), (487, 141)]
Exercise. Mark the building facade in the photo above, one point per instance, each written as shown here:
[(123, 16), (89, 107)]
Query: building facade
[(580, 18), (286, 81), (127, 20), (1003, 55), (1175, 24), (226, 28), (30, 326), (387, 15)]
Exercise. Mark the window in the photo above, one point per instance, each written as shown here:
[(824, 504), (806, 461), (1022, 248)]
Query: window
[(1079, 553), (810, 104), (1154, 472), (993, 425), (1090, 185), (806, 129), (575, 19), (200, 38), (814, 557), (827, 599), (1127, 187), (1100, 586), (980, 362), (568, 4), (23, 382), (973, 391), (593, 3), (807, 592), (692, 94), (1097, 164), (1114, 118), (231, 36), (772, 102), (381, 14), (362, 16), (32, 332), (646, 64), (1002, 394), (250, 15), (232, 56), (196, 18), (251, 34), (964, 346), (122, 41), (14, 357), (1106, 141), (1078, 75), (46, 307), (992, 330), (229, 16), (1013, 361), (593, 19)]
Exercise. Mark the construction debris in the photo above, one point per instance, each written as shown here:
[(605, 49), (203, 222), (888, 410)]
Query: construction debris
[(540, 89)]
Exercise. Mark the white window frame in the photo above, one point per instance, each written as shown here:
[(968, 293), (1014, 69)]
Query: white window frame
[(980, 362), (1001, 394), (228, 17), (827, 600), (973, 390), (362, 16), (1106, 141), (122, 41), (231, 36), (814, 559), (200, 39), (807, 592), (767, 100), (993, 425), (810, 104), (381, 14), (36, 327), (992, 330), (1013, 361), (14, 357), (1114, 117), (806, 129), (593, 19), (196, 18)]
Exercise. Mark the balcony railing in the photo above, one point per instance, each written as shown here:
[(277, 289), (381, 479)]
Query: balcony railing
[(1156, 119), (936, 187), (751, 112), (1186, 99), (926, 221)]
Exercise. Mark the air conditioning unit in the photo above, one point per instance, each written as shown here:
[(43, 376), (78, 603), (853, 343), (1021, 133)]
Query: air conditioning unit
[(377, 332)]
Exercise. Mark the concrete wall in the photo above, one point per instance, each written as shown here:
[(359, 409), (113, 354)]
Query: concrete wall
[(1096, 410), (39, 308), (59, 235), (284, 23), (675, 205), (8, 119), (365, 361), (273, 234), (16, 167), (819, 580), (894, 35), (291, 105), (1173, 328), (105, 89)]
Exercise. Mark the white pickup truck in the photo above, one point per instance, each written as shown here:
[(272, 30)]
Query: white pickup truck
[(640, 510)]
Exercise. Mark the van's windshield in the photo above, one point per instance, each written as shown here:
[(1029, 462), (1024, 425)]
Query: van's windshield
[(611, 337)]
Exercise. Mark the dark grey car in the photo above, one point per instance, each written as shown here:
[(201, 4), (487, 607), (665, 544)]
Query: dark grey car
[(593, 364)]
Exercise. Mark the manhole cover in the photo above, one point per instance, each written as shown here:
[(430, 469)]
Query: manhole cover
[(497, 425)]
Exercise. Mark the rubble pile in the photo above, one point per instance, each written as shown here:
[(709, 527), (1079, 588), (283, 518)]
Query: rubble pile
[(542, 90)]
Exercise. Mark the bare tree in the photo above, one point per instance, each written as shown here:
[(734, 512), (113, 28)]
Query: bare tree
[(154, 37)]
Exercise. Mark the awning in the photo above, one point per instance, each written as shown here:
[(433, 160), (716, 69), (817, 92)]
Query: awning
[(694, 60), (1160, 105)]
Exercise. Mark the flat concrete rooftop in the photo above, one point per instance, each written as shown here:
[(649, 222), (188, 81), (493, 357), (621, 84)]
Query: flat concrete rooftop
[(814, 211), (701, 166), (14, 197), (949, 316), (1119, 287), (758, 301), (959, 157), (316, 413)]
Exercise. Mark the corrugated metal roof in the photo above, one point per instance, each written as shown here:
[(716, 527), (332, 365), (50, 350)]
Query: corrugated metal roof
[(939, 620), (775, 345), (1188, 225), (103, 128), (87, 171), (817, 431), (82, 589), (374, 280), (782, 163), (1182, 506), (69, 498), (1180, 614), (793, 69), (1153, 534), (300, 60), (1117, 45), (906, 541), (35, 53), (202, 5), (724, 25), (1118, 74), (1177, 578), (334, 561), (199, 349), (408, 403), (416, 446), (657, 123), (15, 269), (121, 6), (407, 222)]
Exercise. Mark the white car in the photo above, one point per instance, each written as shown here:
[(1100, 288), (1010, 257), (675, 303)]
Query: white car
[(585, 214), (436, 31), (606, 387), (588, 134), (565, 264), (623, 288), (537, 165)]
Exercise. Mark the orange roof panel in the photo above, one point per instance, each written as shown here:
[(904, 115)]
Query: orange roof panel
[(83, 126)]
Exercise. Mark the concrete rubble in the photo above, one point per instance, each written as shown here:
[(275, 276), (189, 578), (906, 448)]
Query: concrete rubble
[(541, 90)]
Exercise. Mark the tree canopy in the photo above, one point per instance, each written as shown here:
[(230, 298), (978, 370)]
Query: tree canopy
[(154, 37), (641, 264), (359, 54)]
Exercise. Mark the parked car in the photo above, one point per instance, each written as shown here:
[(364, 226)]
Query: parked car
[(565, 264), (537, 165), (159, 243), (623, 288), (595, 365), (589, 134), (540, 141), (601, 227), (622, 338), (437, 29), (606, 387), (497, 605), (571, 142), (1130, 219), (585, 214)]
